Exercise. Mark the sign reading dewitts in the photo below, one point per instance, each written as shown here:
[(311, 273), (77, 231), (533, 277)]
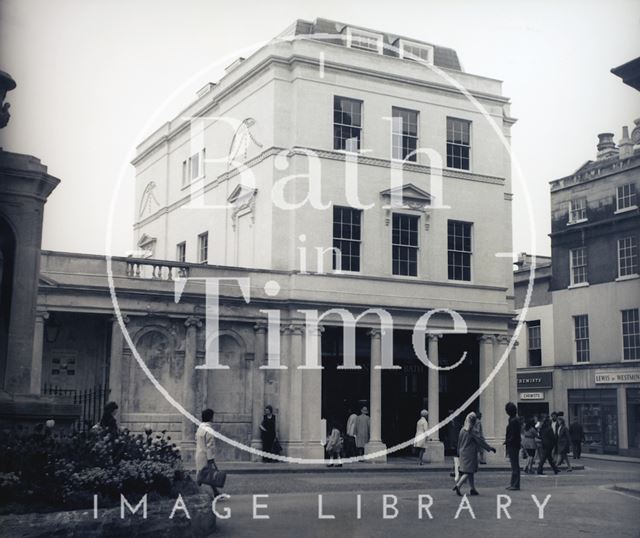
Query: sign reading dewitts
[(535, 380)]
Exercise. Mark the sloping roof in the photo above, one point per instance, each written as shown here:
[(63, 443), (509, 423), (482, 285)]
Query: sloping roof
[(443, 56)]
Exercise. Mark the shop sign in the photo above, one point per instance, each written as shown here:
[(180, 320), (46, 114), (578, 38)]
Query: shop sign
[(535, 380), (608, 376), (532, 395)]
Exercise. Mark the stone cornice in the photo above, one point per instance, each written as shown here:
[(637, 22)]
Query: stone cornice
[(323, 154)]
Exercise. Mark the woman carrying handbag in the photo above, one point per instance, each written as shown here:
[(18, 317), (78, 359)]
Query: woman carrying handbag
[(208, 475)]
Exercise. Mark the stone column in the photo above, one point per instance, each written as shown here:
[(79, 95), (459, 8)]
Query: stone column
[(295, 392), (375, 443), (435, 448), (312, 401), (500, 389), (257, 400), (513, 374), (284, 403), (115, 360), (36, 357), (486, 398), (190, 389)]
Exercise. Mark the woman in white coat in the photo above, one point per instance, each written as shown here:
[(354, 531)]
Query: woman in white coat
[(420, 441)]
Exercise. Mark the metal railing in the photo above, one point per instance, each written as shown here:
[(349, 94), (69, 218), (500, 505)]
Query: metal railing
[(91, 402)]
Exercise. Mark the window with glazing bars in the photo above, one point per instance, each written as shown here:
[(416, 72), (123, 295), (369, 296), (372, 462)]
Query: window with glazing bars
[(405, 245), (346, 238), (535, 343), (577, 209), (578, 261), (203, 247), (347, 123), (627, 256), (404, 133), (626, 196), (458, 143), (181, 252), (581, 337), (459, 250), (631, 334)]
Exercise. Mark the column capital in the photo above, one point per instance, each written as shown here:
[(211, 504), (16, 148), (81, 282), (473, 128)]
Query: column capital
[(375, 333), (434, 337), (296, 328), (485, 338), (503, 339), (125, 319), (193, 321), (260, 327), (42, 315)]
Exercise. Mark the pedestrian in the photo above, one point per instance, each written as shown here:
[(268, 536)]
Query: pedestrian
[(362, 430), (564, 444), (548, 444), (420, 441), (268, 432), (454, 431), (529, 443), (512, 442), (577, 437), (108, 420), (554, 428), (481, 456), (334, 446), (206, 448), (468, 443), (350, 435), (539, 449)]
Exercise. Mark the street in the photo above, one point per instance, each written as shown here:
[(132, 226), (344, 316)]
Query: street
[(582, 503)]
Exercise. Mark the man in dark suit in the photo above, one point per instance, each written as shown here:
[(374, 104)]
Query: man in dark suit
[(513, 444), (577, 437)]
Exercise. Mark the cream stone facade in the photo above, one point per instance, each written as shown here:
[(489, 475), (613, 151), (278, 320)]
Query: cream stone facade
[(270, 117)]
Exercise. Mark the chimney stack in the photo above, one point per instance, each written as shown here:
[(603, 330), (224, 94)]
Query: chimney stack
[(625, 145), (606, 146)]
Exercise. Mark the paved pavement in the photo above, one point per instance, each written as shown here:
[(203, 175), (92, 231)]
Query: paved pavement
[(601, 500)]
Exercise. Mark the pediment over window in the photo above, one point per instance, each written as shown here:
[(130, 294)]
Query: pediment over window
[(408, 196), (147, 245), (243, 200)]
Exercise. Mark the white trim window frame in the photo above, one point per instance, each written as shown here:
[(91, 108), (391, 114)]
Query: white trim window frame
[(181, 252), (405, 133), (631, 334), (578, 266), (405, 244), (626, 197), (577, 210), (581, 338), (364, 40), (347, 239), (196, 167), (458, 143), (534, 343), (416, 52), (627, 256), (203, 247)]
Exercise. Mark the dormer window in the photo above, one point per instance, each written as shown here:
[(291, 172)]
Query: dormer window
[(577, 210), (416, 51), (363, 40)]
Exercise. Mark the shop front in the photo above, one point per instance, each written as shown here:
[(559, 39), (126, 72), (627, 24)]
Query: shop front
[(533, 394), (597, 411)]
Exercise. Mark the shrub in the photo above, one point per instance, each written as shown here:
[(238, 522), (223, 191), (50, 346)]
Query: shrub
[(66, 471)]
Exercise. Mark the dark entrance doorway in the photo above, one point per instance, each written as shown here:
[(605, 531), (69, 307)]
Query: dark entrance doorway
[(532, 410), (343, 390)]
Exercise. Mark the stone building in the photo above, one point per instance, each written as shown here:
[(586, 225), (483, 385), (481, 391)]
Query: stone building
[(340, 100), (581, 351)]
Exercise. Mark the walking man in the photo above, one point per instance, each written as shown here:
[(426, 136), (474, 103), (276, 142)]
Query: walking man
[(350, 435), (513, 444), (577, 437), (548, 443), (362, 430)]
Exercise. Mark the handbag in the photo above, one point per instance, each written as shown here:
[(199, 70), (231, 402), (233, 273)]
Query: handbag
[(276, 448), (211, 476)]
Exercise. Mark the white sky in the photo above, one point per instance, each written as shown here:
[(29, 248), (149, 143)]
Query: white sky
[(91, 73)]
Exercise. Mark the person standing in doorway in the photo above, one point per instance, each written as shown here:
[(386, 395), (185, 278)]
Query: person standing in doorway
[(481, 456), (268, 432), (548, 444), (512, 442), (577, 438), (362, 430), (468, 443), (420, 440), (350, 435)]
